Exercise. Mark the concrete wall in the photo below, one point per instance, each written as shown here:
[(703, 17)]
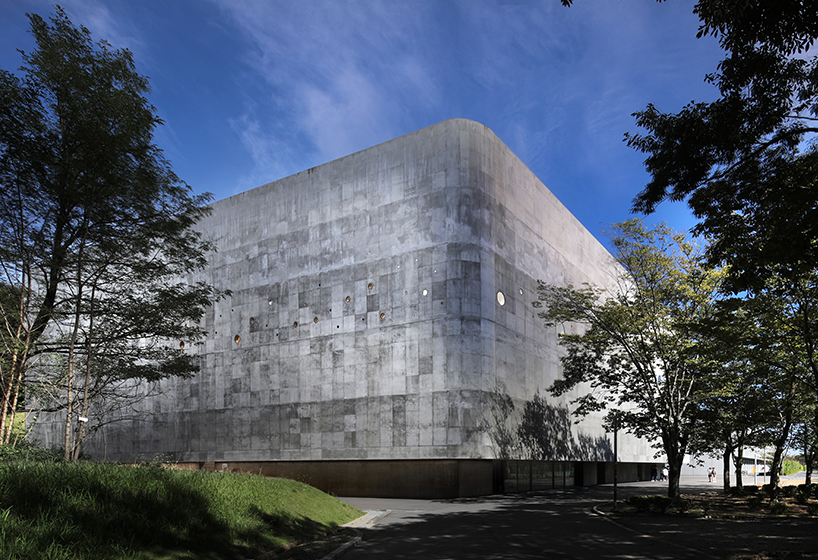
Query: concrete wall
[(437, 478), (365, 321)]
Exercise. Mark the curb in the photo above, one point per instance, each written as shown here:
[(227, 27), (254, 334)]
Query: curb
[(364, 522), (609, 517)]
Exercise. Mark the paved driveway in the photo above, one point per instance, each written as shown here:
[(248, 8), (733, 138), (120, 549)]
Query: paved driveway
[(553, 525)]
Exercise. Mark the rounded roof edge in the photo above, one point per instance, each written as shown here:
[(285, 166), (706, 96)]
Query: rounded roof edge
[(460, 123)]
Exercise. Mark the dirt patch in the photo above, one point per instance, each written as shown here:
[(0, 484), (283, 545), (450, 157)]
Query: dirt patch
[(749, 526)]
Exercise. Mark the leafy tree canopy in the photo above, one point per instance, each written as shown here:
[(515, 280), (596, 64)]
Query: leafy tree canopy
[(632, 350), (746, 162), (96, 230)]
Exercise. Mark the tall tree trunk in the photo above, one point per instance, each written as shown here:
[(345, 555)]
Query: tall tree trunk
[(778, 455), (674, 449), (8, 390), (738, 464), (726, 467), (72, 345), (17, 385), (88, 364), (810, 446)]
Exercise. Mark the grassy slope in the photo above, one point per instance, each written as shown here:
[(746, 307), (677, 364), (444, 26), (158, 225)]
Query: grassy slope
[(82, 511)]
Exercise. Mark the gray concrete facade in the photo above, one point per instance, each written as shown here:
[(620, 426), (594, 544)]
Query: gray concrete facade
[(377, 302)]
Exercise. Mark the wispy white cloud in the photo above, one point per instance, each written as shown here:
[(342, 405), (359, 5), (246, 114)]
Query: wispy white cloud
[(116, 30), (346, 71)]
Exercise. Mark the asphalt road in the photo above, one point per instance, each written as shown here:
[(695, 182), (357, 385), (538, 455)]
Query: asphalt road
[(553, 524)]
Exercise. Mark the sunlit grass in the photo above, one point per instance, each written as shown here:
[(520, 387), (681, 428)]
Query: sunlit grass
[(78, 511)]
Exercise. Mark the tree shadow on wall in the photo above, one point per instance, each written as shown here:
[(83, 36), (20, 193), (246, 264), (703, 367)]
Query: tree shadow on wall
[(545, 432)]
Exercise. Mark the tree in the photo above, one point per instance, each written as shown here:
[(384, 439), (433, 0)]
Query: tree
[(632, 349), (745, 162), (96, 231)]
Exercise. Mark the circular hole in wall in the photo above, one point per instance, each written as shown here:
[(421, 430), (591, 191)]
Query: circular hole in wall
[(425, 292), (383, 315), (315, 319), (370, 286), (182, 344), (252, 320), (270, 302), (521, 291), (295, 323), (501, 298), (348, 298), (237, 339)]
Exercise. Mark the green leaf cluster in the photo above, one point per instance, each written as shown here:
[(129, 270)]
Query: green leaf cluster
[(97, 232)]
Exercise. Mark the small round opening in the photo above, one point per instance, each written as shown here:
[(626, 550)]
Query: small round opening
[(315, 319), (501, 298), (237, 339), (348, 298), (295, 323), (425, 293), (370, 286), (182, 344), (252, 320), (383, 315)]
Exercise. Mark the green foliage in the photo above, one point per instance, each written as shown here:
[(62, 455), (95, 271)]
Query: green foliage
[(809, 490), (94, 511), (742, 161), (803, 493), (96, 230), (789, 466), (754, 502), (25, 451), (788, 491), (634, 348), (658, 504), (778, 508)]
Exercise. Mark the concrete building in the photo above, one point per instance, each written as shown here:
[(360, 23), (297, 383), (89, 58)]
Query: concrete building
[(379, 301)]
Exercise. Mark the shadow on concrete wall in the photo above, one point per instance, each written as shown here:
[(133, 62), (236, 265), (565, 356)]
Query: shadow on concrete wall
[(540, 431)]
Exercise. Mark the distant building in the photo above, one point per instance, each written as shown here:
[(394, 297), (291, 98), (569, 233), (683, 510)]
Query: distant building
[(379, 301)]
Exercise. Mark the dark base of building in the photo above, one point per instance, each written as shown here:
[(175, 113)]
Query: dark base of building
[(435, 479)]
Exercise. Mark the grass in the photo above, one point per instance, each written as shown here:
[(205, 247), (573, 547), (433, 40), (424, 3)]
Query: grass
[(89, 511)]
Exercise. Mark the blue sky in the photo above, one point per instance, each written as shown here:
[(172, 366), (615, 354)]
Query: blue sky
[(255, 90)]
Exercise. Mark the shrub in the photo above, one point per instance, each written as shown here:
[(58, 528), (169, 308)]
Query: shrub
[(777, 508), (803, 493), (26, 451), (754, 502), (650, 504)]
